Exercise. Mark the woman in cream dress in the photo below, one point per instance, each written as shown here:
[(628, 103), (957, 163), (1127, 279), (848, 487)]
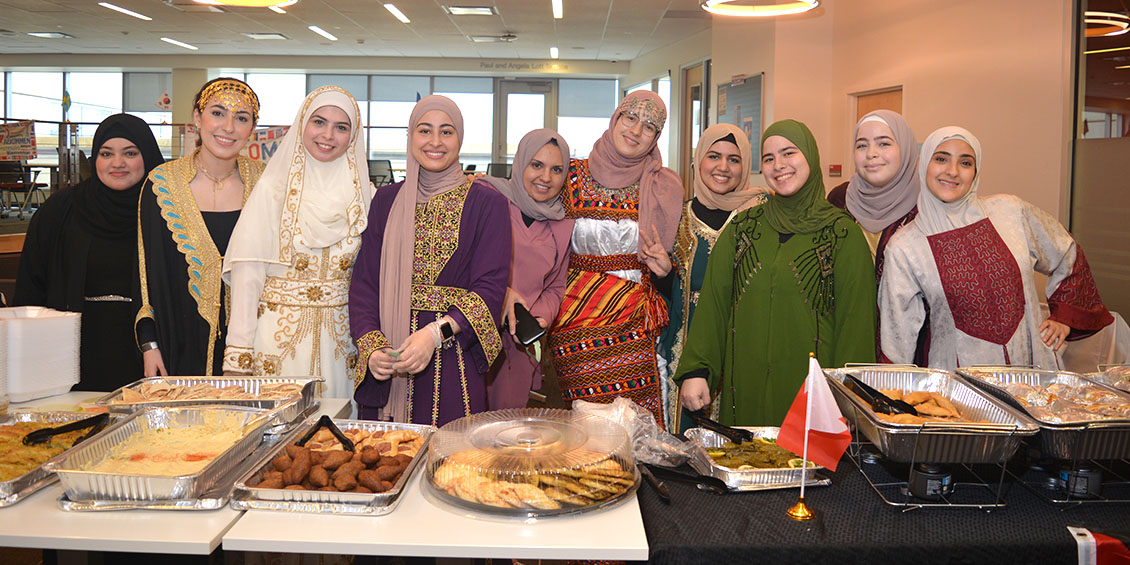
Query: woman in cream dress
[(292, 253)]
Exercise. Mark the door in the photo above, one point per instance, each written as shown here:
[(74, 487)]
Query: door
[(523, 105)]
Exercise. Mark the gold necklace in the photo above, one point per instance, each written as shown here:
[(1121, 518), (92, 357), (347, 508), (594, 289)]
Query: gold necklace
[(217, 183)]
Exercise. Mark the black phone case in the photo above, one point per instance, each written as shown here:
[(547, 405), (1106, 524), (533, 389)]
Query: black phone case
[(528, 330)]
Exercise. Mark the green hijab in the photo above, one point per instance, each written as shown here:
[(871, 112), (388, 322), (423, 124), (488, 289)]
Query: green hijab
[(808, 210)]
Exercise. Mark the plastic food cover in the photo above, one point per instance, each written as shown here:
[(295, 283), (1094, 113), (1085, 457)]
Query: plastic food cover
[(531, 462), (40, 354)]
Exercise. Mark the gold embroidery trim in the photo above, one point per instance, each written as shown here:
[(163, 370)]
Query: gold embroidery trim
[(437, 233), (238, 360), (366, 345), (433, 298)]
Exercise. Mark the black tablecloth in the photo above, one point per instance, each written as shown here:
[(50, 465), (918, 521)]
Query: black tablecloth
[(855, 525)]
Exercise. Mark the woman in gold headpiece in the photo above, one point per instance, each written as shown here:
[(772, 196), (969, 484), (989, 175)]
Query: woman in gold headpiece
[(187, 212)]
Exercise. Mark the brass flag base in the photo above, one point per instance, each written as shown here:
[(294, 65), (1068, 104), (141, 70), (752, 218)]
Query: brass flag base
[(800, 511)]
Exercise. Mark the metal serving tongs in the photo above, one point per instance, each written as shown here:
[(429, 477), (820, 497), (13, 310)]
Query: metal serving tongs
[(735, 435), (95, 423), (880, 403), (326, 422)]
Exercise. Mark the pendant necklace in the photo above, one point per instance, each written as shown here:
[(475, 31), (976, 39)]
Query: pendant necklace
[(217, 183)]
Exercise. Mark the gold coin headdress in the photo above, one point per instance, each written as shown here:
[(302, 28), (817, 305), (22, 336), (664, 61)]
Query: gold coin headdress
[(231, 95)]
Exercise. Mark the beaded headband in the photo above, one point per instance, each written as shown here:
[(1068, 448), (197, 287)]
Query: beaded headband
[(646, 109), (231, 95)]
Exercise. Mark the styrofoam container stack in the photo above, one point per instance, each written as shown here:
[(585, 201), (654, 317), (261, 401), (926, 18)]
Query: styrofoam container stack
[(39, 351)]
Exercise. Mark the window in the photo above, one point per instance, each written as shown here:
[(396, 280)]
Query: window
[(391, 99), (475, 98), (94, 97), (280, 96), (38, 96), (583, 109), (143, 96)]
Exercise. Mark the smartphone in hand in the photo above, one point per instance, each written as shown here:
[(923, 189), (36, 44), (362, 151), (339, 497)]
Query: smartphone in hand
[(527, 329)]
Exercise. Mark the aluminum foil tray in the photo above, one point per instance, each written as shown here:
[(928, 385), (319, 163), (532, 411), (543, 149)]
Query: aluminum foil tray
[(81, 485), (248, 497), (1101, 439), (745, 479), (992, 437), (19, 488), (249, 384), (1112, 375)]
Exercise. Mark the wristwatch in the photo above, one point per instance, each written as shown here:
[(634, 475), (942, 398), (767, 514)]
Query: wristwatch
[(446, 332)]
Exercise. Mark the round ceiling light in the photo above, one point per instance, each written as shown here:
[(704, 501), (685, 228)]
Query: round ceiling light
[(754, 9), (1106, 24)]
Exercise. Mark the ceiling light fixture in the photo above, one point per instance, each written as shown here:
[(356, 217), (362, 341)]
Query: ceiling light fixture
[(552, 52), (727, 8), (504, 38), (122, 10), (265, 35), (179, 43), (558, 10), (1123, 67), (249, 3), (469, 10), (322, 33), (276, 9), (1109, 24), (50, 34), (392, 9)]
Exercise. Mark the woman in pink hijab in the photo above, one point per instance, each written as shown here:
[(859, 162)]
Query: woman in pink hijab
[(431, 274), (626, 209)]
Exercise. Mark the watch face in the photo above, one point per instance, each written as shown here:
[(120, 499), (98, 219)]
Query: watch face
[(445, 329)]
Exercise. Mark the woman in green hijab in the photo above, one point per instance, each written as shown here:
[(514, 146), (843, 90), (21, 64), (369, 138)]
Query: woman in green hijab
[(786, 278)]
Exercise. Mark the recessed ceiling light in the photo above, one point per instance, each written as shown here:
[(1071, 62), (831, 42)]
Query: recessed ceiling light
[(469, 10), (265, 35), (179, 43), (552, 52), (322, 33), (50, 35), (558, 10), (122, 10), (276, 9), (392, 9)]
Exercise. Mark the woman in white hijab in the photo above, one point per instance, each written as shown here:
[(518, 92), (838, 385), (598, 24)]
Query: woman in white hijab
[(292, 252), (973, 262)]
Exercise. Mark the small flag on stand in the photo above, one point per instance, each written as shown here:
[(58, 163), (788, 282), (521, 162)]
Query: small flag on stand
[(814, 428), (815, 411)]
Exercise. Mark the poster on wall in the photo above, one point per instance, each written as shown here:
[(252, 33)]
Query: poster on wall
[(263, 144), (17, 141), (739, 103)]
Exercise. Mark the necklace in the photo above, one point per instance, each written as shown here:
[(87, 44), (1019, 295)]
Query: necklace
[(217, 183)]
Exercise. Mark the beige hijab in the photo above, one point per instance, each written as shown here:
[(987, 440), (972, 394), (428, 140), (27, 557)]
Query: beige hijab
[(301, 198), (740, 197), (420, 185), (935, 216)]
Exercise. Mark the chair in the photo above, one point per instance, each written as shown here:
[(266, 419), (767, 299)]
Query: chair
[(17, 178), (500, 170), (380, 172)]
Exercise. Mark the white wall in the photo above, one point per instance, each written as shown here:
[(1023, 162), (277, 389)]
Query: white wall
[(1002, 69)]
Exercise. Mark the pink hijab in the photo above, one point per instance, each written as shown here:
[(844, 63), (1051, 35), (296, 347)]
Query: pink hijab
[(420, 185), (661, 190)]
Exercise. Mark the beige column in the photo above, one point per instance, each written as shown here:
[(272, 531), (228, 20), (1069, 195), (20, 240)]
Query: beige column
[(185, 84)]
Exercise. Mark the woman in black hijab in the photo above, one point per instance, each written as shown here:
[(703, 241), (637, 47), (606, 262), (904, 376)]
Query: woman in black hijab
[(80, 253)]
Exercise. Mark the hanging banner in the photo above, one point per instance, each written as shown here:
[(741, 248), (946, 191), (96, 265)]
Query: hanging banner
[(17, 141), (263, 144)]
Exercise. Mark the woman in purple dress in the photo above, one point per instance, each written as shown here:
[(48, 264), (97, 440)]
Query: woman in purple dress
[(429, 283)]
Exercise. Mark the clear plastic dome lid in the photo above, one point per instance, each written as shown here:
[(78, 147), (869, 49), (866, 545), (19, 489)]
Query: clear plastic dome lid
[(532, 461)]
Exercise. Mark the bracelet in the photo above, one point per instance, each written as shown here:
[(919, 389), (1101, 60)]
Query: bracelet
[(148, 346)]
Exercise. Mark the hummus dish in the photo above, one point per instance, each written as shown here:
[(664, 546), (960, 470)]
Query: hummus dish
[(170, 452)]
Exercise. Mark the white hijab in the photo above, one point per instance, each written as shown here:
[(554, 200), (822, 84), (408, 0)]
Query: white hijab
[(935, 216), (303, 199)]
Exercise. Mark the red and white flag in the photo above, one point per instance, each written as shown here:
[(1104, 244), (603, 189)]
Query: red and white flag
[(815, 410)]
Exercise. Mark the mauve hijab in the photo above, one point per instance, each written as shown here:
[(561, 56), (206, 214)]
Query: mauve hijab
[(661, 189), (420, 185), (514, 188), (876, 207)]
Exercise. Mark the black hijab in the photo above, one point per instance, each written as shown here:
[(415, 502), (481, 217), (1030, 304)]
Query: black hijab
[(103, 211)]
